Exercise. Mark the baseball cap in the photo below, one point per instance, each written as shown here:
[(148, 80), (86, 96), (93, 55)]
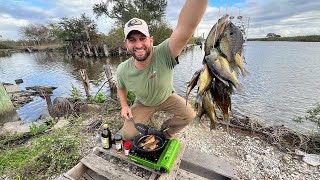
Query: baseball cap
[(136, 24)]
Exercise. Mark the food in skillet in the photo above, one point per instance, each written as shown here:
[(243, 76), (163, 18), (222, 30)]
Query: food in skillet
[(150, 143)]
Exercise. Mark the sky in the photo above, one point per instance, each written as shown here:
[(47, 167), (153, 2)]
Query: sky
[(283, 17)]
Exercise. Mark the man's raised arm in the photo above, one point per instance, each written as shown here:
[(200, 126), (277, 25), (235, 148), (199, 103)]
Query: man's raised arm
[(189, 19)]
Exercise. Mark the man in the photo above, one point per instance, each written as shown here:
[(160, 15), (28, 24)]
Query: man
[(149, 72)]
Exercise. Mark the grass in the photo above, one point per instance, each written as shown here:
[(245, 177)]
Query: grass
[(38, 157)]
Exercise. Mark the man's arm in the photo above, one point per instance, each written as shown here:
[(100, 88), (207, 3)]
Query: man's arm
[(189, 19), (125, 109)]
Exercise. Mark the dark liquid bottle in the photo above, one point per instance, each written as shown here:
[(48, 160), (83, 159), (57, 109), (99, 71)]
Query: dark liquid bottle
[(106, 137)]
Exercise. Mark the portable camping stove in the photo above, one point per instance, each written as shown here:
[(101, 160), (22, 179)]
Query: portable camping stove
[(162, 161)]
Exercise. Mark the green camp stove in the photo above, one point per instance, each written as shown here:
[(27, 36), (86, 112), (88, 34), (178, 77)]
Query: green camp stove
[(161, 162)]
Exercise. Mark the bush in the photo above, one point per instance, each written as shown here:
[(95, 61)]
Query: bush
[(313, 115)]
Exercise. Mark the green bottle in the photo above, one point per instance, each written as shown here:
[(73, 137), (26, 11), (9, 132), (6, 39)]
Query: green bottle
[(106, 137)]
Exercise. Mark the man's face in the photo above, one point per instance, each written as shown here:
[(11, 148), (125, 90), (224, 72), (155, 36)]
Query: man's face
[(138, 45)]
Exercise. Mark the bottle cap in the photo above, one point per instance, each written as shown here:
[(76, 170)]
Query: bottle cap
[(117, 137), (105, 126), (127, 145)]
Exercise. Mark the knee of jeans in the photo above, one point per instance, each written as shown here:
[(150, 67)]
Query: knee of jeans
[(189, 116)]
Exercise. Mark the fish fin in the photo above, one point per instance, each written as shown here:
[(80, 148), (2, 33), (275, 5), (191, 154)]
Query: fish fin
[(244, 72)]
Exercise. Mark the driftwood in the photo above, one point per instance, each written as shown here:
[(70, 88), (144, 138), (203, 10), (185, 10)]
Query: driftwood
[(85, 81), (284, 138), (112, 82)]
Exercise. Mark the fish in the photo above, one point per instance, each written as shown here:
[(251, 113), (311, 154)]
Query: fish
[(221, 68), (206, 106), (148, 140), (192, 83), (230, 43), (215, 33), (209, 109), (151, 146), (240, 64), (222, 98), (205, 79)]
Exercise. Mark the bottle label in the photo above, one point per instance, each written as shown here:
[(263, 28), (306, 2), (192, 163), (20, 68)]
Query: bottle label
[(105, 142), (119, 146)]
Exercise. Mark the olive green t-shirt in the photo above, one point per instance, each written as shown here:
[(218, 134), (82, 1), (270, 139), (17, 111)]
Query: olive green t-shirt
[(153, 84)]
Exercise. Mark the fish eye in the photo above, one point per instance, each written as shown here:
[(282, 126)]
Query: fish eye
[(231, 33)]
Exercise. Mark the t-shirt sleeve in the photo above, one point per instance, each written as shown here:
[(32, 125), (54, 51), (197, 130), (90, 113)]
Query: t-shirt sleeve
[(120, 82), (163, 50)]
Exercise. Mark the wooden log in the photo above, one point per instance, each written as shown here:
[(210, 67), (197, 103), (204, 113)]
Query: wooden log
[(107, 169), (96, 51), (112, 82), (106, 50), (89, 49), (120, 51), (85, 81)]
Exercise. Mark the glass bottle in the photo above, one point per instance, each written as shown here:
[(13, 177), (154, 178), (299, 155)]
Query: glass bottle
[(106, 137)]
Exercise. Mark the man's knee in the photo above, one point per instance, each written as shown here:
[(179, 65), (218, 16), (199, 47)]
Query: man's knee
[(128, 136)]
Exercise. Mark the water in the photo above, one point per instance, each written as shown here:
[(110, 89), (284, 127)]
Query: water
[(283, 81)]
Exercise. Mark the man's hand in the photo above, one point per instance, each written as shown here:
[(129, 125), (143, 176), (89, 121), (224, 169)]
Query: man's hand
[(126, 112)]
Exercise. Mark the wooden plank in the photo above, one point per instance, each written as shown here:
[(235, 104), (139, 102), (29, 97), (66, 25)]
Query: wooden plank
[(77, 171), (183, 175), (94, 175), (86, 176), (177, 161), (107, 169), (207, 165)]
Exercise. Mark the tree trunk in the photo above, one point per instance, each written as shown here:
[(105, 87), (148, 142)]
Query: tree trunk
[(112, 82), (106, 50), (85, 81)]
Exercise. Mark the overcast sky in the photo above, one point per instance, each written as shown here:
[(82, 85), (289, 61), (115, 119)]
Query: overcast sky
[(283, 17)]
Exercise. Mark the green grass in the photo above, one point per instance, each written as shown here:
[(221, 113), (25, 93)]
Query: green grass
[(43, 155)]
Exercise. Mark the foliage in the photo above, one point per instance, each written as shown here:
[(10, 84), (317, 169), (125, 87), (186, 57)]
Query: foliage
[(5, 46), (34, 129), (123, 10), (130, 98), (195, 40), (311, 38), (75, 93), (313, 115), (161, 31), (271, 35), (100, 98), (115, 37), (36, 32), (38, 159), (74, 28)]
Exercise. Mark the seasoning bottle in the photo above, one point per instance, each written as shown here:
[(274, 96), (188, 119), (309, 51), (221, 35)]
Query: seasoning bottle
[(127, 146), (118, 139), (106, 137)]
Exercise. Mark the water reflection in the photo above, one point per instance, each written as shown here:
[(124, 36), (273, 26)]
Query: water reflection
[(282, 81)]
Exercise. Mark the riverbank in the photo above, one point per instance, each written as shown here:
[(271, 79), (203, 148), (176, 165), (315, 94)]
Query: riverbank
[(311, 38), (254, 157)]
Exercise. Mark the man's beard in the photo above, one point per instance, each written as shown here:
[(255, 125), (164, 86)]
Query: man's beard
[(141, 58)]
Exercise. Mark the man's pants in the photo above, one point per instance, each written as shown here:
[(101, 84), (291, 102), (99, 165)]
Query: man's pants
[(176, 105)]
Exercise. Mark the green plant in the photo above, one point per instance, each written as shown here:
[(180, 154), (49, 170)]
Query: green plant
[(313, 115), (130, 98), (75, 93), (34, 129), (100, 98)]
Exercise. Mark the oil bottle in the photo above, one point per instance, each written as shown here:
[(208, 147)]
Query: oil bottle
[(106, 137)]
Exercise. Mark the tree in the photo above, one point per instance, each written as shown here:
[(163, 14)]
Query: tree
[(271, 35), (82, 28), (123, 10), (36, 32)]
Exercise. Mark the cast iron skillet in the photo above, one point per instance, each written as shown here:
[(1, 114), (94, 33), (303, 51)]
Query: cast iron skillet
[(158, 136)]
